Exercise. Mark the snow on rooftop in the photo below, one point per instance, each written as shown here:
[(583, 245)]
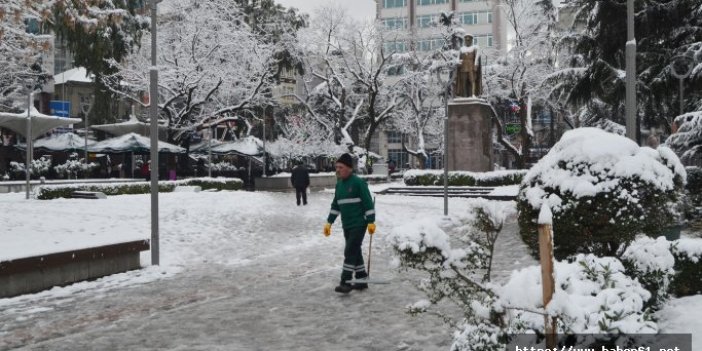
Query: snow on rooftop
[(77, 75)]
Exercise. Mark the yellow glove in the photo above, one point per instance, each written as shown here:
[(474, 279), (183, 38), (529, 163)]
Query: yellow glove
[(371, 228), (327, 229)]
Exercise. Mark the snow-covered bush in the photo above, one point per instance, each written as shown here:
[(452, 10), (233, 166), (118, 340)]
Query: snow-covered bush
[(665, 268), (593, 296), (603, 190), (687, 141), (50, 192), (461, 178), (694, 191), (37, 168), (73, 168), (455, 257), (652, 263), (688, 267)]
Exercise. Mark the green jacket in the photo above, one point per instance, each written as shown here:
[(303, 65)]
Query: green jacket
[(353, 200)]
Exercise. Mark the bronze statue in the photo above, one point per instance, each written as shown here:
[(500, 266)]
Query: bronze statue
[(469, 72)]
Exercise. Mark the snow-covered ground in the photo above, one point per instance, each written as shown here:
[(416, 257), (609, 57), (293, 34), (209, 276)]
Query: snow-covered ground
[(241, 271)]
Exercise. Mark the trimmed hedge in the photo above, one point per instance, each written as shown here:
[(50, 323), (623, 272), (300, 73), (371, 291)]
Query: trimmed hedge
[(49, 192), (688, 267), (693, 190), (462, 178)]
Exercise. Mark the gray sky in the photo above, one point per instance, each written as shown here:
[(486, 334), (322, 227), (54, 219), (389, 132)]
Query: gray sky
[(359, 9)]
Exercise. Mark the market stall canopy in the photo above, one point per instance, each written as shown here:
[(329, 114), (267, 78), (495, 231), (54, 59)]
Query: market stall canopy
[(249, 146), (203, 147), (132, 142), (41, 123), (65, 142), (133, 125)]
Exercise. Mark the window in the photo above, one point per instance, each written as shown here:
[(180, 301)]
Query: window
[(469, 18), (394, 137), (430, 44), (427, 20), (394, 3), (395, 23), (395, 46), (431, 2), (484, 40), (399, 157)]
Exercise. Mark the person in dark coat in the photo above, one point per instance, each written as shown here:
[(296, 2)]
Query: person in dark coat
[(300, 180)]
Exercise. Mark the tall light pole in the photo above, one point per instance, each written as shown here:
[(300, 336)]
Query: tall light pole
[(153, 115), (85, 108), (28, 163), (681, 67), (631, 115)]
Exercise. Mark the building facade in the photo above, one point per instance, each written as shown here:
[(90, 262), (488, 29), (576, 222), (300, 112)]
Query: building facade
[(410, 25)]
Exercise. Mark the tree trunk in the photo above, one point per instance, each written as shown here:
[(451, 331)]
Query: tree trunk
[(522, 160)]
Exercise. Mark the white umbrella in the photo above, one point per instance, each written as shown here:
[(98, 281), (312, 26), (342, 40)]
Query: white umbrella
[(31, 124), (133, 125), (41, 123), (69, 142), (132, 142), (249, 146)]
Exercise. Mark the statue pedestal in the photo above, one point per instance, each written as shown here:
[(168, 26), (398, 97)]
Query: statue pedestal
[(470, 135)]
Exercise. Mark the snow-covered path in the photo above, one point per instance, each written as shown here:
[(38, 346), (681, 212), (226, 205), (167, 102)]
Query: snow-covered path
[(241, 271)]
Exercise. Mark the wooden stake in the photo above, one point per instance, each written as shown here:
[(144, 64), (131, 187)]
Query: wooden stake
[(547, 279)]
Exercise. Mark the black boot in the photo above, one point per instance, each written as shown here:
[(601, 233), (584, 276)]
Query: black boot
[(359, 286), (343, 288)]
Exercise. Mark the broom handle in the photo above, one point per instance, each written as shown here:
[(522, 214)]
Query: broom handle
[(370, 248)]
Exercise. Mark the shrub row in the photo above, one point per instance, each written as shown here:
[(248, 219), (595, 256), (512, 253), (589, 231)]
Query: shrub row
[(462, 178), (49, 192)]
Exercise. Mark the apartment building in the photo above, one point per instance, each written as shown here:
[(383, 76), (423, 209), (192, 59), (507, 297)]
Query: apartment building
[(411, 25)]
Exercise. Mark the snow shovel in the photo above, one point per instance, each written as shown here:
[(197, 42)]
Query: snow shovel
[(368, 280)]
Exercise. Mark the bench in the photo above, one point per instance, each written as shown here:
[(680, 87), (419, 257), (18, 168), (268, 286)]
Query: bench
[(93, 195), (37, 273)]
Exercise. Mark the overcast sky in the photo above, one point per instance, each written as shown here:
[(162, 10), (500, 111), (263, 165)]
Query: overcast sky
[(359, 9)]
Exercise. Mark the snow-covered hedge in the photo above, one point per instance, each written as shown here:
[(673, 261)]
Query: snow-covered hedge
[(694, 190), (593, 296), (652, 262), (603, 190), (74, 168), (665, 268), (688, 267), (37, 168), (49, 192), (461, 178), (687, 141)]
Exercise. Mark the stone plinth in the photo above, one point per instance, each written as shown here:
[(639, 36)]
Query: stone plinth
[(470, 135)]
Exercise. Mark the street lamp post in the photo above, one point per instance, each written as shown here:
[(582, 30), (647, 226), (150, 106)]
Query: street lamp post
[(85, 108), (681, 67), (28, 163), (632, 127), (153, 114)]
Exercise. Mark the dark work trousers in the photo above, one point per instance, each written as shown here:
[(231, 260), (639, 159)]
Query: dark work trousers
[(301, 192), (353, 257)]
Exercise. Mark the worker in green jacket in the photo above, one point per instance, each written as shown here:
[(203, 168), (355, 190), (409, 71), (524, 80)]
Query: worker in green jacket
[(353, 200)]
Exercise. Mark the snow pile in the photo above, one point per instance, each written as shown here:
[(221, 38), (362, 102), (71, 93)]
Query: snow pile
[(682, 316), (588, 161), (593, 295)]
